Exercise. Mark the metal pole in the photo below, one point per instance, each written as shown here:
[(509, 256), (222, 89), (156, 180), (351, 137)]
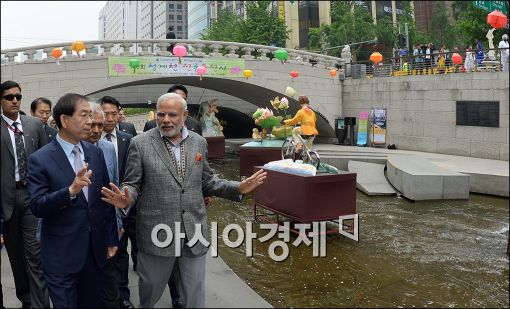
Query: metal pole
[(407, 37)]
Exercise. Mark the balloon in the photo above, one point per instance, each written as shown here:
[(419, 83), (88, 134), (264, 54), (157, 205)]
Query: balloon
[(78, 46), (201, 70), (294, 74), (56, 53), (457, 59), (134, 64), (376, 57), (497, 19), (290, 92), (247, 74), (332, 73), (281, 54), (179, 51)]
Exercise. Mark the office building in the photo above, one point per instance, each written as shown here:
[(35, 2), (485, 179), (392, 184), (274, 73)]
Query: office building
[(120, 20)]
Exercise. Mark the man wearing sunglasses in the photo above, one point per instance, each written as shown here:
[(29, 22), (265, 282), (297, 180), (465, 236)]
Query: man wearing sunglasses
[(21, 136)]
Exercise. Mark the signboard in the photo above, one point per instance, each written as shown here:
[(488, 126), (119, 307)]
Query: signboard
[(478, 113), (491, 5), (378, 126), (362, 128), (170, 66)]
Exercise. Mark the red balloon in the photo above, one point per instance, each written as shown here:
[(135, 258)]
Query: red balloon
[(457, 59), (497, 19), (294, 74)]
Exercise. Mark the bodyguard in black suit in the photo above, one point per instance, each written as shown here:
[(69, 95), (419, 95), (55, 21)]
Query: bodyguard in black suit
[(41, 108), (21, 136), (127, 127), (191, 124), (121, 141)]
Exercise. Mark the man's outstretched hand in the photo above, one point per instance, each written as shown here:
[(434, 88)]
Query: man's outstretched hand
[(250, 183), (116, 197)]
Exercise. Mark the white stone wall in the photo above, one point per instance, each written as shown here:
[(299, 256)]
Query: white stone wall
[(421, 111)]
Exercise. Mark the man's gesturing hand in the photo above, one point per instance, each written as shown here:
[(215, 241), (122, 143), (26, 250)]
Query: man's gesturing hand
[(255, 180), (116, 197), (81, 180)]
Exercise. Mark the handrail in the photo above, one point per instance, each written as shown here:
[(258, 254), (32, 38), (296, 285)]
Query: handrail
[(270, 49)]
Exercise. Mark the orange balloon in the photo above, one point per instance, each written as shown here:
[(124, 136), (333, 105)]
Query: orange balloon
[(56, 53), (332, 73), (376, 57), (78, 46)]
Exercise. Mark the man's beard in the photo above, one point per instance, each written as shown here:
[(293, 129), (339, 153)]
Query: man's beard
[(173, 132)]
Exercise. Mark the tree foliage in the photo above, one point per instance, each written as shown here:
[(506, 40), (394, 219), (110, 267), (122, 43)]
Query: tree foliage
[(471, 23), (261, 26)]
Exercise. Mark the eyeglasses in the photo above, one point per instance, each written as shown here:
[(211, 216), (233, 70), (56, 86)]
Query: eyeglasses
[(11, 97)]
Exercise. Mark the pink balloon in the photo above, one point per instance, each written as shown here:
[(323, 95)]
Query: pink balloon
[(179, 51), (201, 70)]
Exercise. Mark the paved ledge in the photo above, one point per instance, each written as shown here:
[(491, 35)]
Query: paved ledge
[(419, 179), (223, 288), (370, 178)]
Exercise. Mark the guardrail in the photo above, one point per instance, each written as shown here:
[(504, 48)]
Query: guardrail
[(196, 48), (420, 65)]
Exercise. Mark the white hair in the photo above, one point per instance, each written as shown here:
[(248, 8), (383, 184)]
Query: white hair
[(172, 96), (505, 37), (96, 108)]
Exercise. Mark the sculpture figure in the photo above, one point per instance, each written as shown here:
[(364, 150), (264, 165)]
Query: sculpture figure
[(207, 115)]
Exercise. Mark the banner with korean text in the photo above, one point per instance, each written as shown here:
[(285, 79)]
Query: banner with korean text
[(170, 66)]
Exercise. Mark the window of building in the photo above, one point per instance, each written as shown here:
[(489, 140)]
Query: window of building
[(171, 6), (179, 6), (179, 28), (171, 17), (179, 17)]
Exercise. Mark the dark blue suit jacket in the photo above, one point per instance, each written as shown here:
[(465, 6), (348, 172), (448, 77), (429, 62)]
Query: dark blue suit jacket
[(70, 225), (123, 141)]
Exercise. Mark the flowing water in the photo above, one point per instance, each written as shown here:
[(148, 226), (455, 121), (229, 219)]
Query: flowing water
[(422, 254)]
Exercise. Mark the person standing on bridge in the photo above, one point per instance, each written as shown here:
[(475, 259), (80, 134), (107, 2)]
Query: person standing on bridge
[(504, 52)]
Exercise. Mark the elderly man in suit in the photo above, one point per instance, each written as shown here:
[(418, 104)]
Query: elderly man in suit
[(21, 136), (41, 108), (79, 232), (120, 140), (167, 178), (110, 289), (191, 124)]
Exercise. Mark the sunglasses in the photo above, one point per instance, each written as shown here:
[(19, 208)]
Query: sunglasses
[(11, 97)]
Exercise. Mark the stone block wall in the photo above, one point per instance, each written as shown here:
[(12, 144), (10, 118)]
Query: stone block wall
[(422, 111)]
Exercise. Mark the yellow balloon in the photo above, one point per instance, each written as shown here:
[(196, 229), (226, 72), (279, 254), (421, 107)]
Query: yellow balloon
[(78, 46), (247, 74)]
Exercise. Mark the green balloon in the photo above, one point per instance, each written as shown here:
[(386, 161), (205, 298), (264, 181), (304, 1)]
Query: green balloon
[(134, 63), (281, 54)]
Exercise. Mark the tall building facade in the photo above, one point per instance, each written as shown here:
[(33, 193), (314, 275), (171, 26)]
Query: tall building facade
[(424, 10), (299, 16), (199, 18), (391, 9), (143, 19)]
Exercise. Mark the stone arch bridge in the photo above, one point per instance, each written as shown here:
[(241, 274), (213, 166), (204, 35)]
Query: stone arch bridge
[(87, 74)]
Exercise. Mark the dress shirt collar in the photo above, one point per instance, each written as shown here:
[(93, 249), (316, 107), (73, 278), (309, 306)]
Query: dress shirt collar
[(68, 147), (184, 135), (10, 121), (114, 134)]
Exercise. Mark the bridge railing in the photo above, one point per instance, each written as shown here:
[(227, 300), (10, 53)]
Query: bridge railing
[(421, 65), (196, 48)]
